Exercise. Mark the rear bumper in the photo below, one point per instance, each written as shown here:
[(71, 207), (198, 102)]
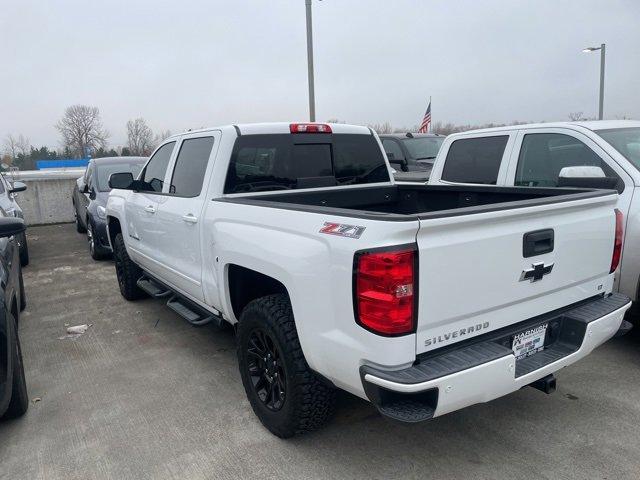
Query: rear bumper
[(487, 369)]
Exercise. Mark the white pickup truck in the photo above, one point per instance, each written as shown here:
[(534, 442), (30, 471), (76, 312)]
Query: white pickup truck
[(598, 154), (421, 299)]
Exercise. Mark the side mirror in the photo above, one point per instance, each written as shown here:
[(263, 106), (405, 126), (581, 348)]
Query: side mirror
[(17, 187), (586, 177), (582, 172), (398, 161), (123, 180), (10, 226)]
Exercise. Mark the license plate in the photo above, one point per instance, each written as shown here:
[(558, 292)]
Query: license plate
[(529, 342)]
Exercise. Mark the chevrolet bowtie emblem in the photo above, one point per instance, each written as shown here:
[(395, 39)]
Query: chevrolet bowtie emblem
[(536, 272)]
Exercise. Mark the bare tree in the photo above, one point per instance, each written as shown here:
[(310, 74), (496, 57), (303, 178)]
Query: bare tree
[(382, 127), (576, 116), (23, 145), (11, 146), (160, 137), (448, 128), (81, 129), (140, 137)]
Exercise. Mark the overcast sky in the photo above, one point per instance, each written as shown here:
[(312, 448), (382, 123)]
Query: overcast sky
[(190, 64)]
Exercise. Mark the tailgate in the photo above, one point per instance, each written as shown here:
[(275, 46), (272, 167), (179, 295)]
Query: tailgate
[(474, 276)]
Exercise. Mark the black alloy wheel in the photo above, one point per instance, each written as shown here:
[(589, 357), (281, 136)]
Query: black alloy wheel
[(266, 370)]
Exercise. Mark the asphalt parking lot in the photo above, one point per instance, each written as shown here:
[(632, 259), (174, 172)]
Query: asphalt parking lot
[(144, 395)]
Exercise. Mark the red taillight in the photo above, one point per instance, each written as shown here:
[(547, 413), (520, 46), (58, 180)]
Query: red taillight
[(617, 244), (309, 128), (385, 291)]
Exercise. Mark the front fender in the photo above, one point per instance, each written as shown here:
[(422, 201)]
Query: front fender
[(116, 211)]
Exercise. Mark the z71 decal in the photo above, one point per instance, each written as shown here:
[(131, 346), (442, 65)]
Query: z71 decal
[(342, 230)]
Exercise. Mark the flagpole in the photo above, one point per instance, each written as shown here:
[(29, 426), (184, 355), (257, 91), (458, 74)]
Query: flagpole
[(431, 122)]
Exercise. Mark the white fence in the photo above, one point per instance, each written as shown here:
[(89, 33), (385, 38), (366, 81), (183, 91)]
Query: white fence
[(48, 195)]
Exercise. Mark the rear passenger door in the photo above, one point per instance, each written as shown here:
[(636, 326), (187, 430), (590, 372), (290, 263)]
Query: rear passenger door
[(179, 215)]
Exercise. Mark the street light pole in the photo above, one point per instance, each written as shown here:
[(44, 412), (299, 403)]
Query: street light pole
[(312, 100), (602, 49), (601, 106)]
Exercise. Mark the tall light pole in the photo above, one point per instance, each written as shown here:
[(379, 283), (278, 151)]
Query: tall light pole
[(602, 49), (312, 99)]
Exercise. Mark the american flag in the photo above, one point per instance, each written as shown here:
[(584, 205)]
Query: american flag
[(426, 121)]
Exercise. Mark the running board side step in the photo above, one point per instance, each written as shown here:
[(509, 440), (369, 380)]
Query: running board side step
[(154, 289), (192, 314)]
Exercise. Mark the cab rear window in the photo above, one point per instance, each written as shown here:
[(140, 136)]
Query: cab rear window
[(262, 163)]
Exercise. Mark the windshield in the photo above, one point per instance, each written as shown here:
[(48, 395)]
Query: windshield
[(423, 147), (626, 141), (103, 173)]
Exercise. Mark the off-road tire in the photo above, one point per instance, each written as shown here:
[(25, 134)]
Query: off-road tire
[(19, 402), (127, 271), (309, 402)]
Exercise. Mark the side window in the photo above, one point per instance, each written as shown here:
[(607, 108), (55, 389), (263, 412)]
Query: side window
[(155, 170), (191, 164), (543, 155), (475, 160), (392, 147)]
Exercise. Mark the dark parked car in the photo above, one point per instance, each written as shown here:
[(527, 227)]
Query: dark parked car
[(10, 207), (90, 199), (14, 400), (411, 154)]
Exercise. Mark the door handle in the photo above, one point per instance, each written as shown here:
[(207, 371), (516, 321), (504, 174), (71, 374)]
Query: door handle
[(537, 242), (189, 218), (150, 209)]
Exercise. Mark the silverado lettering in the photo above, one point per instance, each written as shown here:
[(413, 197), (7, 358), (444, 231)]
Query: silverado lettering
[(455, 334)]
